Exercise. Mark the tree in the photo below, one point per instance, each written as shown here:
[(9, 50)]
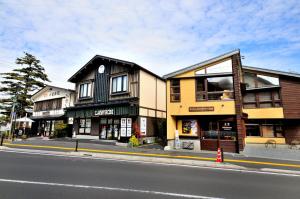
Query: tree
[(19, 84)]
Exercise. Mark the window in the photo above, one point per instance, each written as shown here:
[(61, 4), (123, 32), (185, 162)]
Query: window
[(214, 88), (84, 90), (223, 67), (85, 126), (253, 80), (252, 130), (175, 90), (47, 105), (262, 99), (119, 84)]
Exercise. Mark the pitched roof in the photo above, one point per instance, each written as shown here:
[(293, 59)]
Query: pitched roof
[(277, 72), (47, 85), (72, 79), (195, 66)]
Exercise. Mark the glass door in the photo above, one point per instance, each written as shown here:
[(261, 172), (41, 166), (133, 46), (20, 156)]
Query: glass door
[(109, 128)]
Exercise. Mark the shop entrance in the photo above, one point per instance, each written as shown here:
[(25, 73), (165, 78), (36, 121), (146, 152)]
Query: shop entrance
[(109, 128), (218, 133)]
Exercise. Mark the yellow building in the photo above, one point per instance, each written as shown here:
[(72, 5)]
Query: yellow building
[(220, 103)]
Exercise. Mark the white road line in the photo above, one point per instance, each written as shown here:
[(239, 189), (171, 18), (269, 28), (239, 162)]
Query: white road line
[(108, 189), (261, 171)]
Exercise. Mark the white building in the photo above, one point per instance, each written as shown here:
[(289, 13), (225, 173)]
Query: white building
[(49, 105)]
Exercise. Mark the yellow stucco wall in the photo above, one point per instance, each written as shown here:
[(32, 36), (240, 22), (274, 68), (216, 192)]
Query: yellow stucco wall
[(188, 99), (161, 95), (262, 140), (264, 113)]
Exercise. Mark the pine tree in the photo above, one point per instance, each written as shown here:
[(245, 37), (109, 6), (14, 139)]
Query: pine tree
[(19, 84)]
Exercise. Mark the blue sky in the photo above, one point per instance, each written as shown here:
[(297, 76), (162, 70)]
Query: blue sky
[(162, 36)]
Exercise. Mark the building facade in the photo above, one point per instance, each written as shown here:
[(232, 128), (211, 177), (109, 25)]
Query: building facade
[(48, 108), (220, 103), (116, 99)]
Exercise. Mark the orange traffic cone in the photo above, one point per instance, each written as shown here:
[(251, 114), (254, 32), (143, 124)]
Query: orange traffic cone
[(219, 156)]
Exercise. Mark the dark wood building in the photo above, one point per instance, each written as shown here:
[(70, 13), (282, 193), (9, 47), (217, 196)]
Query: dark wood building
[(116, 99)]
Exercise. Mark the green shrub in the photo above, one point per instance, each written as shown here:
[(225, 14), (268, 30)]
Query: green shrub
[(60, 130), (133, 141)]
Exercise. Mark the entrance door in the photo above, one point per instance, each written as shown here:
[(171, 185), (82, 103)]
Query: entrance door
[(216, 134), (109, 128)]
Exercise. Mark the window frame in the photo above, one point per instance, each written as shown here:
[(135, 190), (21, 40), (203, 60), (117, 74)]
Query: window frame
[(255, 74), (88, 91), (85, 126), (175, 94), (206, 93), (122, 91), (258, 102)]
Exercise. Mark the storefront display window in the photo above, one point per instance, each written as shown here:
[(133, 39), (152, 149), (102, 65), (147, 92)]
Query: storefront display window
[(189, 127), (222, 130), (85, 126), (252, 130)]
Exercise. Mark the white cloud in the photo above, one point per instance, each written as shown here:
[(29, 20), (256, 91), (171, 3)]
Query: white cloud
[(161, 35)]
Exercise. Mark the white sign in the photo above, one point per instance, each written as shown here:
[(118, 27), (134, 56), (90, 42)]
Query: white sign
[(104, 112), (128, 132), (123, 132), (129, 122), (70, 120), (143, 126), (123, 122)]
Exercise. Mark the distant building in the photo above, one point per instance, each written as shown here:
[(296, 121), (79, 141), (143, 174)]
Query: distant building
[(48, 108)]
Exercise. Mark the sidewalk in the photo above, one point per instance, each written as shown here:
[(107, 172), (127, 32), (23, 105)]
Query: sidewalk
[(62, 145)]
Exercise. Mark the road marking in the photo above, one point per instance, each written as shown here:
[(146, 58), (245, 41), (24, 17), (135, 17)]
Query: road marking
[(156, 155), (261, 171), (108, 188)]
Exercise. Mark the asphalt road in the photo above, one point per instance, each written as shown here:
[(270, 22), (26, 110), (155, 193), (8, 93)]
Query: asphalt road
[(39, 176)]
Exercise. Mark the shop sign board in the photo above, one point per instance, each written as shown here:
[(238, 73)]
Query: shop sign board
[(128, 132), (70, 120), (201, 108), (129, 122), (123, 122), (123, 132), (143, 125), (104, 112)]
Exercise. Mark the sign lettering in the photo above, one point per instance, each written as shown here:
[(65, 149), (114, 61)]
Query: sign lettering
[(104, 112), (201, 108)]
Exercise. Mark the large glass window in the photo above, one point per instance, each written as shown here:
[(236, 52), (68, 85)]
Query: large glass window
[(252, 130), (220, 68), (267, 81), (268, 130), (214, 88), (84, 90), (119, 84), (175, 90), (253, 80), (85, 126)]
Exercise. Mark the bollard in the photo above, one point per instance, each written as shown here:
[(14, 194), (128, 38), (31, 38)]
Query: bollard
[(76, 148), (2, 138)]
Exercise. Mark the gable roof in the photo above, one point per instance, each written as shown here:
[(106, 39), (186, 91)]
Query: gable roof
[(277, 72), (88, 64), (195, 66), (49, 86)]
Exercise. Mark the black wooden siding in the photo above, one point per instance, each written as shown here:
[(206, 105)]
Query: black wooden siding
[(101, 89)]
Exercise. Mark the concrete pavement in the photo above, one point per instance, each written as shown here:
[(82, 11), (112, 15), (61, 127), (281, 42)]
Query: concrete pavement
[(34, 176)]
